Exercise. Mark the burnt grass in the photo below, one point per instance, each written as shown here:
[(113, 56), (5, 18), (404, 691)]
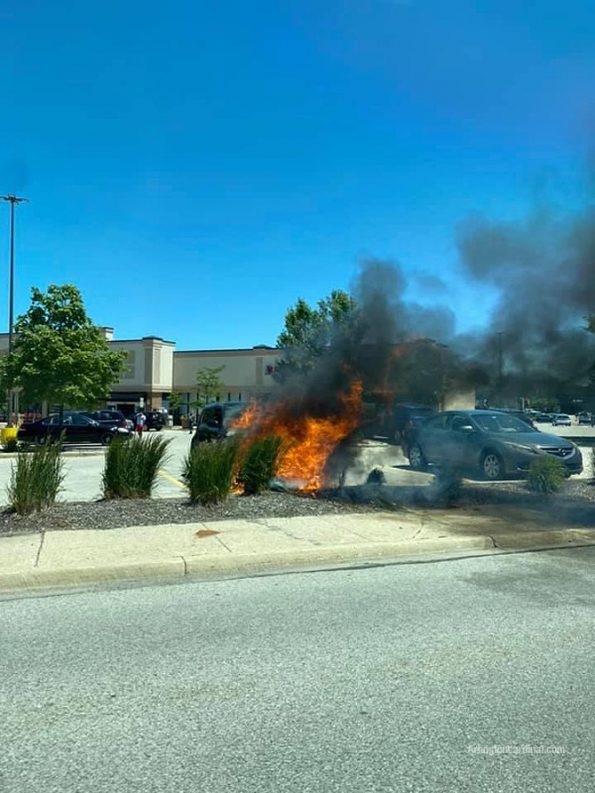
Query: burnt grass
[(573, 505)]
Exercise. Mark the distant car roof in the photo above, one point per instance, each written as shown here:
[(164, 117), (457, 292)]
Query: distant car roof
[(225, 404)]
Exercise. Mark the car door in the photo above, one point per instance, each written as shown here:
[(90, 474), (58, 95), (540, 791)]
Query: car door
[(209, 427), (67, 429), (80, 429), (48, 427), (431, 438), (460, 441)]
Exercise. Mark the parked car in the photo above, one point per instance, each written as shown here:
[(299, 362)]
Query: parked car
[(75, 427), (405, 420), (544, 418), (561, 420), (584, 417), (155, 420), (489, 442), (215, 421), (107, 418)]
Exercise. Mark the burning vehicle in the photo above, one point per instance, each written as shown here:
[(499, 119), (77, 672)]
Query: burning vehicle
[(489, 442), (217, 421)]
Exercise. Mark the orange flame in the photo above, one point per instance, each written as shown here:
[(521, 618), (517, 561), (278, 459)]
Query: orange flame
[(308, 441)]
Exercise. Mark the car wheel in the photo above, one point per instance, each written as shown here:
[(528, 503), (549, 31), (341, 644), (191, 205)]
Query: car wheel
[(40, 440), (492, 466), (106, 438), (416, 458)]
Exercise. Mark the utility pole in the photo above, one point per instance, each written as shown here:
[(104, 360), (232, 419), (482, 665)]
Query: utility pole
[(13, 200)]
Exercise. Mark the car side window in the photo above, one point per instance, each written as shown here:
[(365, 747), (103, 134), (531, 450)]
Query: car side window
[(435, 423), (207, 415), (79, 421), (458, 422)]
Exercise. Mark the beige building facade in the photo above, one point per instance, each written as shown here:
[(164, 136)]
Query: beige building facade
[(154, 369)]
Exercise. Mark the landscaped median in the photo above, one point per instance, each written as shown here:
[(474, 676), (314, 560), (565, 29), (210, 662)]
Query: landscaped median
[(238, 547)]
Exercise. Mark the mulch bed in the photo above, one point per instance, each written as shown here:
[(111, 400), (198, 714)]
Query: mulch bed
[(573, 505), (147, 512)]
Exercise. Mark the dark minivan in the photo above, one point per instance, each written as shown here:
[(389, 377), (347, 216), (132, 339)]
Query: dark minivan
[(215, 421)]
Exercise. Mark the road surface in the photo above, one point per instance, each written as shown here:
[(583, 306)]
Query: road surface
[(471, 675)]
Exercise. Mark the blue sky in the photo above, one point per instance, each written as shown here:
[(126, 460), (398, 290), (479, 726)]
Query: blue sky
[(194, 168)]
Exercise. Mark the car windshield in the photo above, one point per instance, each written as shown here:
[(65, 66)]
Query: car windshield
[(501, 422), (233, 413)]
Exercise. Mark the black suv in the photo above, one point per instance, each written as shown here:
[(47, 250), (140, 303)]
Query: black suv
[(155, 420), (215, 420)]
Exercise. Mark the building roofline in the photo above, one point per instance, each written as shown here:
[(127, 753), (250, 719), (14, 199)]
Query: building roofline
[(233, 349), (142, 338)]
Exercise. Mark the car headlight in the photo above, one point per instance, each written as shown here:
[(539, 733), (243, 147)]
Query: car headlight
[(521, 447)]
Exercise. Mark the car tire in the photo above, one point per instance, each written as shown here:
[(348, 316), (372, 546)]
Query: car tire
[(106, 438), (40, 440), (416, 458), (492, 466)]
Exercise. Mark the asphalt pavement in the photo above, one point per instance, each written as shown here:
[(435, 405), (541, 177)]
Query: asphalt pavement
[(469, 675)]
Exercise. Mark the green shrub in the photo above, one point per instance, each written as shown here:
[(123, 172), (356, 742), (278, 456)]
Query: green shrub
[(209, 471), (36, 478), (546, 475), (259, 464), (132, 466)]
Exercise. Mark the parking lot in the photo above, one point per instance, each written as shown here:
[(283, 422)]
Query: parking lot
[(83, 465)]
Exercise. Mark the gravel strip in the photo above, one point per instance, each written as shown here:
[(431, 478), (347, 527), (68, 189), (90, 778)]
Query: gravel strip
[(574, 505), (148, 512)]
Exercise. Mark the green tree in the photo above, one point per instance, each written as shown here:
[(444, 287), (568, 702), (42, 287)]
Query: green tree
[(309, 331), (175, 400), (59, 355), (208, 385)]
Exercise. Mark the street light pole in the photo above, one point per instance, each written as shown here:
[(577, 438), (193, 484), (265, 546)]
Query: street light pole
[(13, 200)]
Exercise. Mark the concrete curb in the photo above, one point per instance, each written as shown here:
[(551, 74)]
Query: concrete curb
[(180, 567), (543, 539), (80, 453), (71, 576)]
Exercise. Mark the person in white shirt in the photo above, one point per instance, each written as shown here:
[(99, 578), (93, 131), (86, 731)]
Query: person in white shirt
[(139, 422)]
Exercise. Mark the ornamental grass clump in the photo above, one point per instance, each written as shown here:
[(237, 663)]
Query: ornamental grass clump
[(132, 466), (36, 478), (546, 475), (259, 464), (209, 471)]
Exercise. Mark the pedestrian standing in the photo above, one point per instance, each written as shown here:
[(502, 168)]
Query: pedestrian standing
[(139, 422)]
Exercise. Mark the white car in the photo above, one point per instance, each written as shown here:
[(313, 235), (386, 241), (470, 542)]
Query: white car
[(561, 420)]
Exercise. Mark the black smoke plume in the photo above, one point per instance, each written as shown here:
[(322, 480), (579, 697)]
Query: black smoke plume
[(543, 269)]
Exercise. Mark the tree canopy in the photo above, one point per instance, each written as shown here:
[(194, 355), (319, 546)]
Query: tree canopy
[(309, 331), (58, 354), (208, 385)]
